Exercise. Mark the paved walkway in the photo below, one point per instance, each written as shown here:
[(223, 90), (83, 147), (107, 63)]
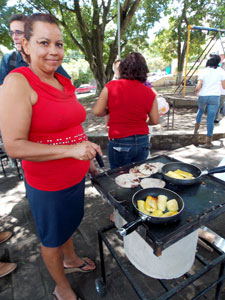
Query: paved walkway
[(31, 281)]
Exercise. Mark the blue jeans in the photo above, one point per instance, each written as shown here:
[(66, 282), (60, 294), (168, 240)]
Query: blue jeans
[(127, 150), (212, 103)]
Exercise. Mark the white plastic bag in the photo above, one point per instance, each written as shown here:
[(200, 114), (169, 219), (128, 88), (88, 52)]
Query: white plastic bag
[(163, 106)]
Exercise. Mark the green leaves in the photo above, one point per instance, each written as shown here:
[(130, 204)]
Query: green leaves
[(172, 42), (5, 13), (91, 27)]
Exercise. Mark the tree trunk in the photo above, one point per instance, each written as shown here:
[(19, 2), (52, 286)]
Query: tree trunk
[(103, 73), (180, 62)]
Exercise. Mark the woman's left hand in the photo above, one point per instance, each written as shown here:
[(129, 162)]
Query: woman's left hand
[(92, 169)]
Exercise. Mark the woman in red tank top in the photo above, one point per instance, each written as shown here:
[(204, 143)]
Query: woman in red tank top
[(44, 130), (131, 106)]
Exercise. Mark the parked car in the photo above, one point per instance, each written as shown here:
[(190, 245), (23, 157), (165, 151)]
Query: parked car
[(154, 77), (85, 88)]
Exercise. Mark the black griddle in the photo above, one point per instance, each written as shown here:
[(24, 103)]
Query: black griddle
[(203, 202)]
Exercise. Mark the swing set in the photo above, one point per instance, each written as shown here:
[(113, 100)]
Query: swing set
[(219, 34)]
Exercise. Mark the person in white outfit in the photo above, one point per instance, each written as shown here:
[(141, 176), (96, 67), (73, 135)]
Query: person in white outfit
[(209, 90)]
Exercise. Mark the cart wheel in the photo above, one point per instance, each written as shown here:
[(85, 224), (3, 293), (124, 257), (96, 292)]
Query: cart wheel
[(100, 287)]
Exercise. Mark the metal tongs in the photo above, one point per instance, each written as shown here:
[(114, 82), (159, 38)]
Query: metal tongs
[(101, 163), (102, 166)]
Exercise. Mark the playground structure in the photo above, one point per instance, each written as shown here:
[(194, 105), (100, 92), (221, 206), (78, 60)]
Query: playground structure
[(219, 34)]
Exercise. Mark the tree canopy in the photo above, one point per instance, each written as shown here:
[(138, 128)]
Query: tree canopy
[(91, 27), (172, 42), (216, 14), (5, 13)]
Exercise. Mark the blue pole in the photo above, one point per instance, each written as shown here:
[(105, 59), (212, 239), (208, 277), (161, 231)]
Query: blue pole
[(208, 28)]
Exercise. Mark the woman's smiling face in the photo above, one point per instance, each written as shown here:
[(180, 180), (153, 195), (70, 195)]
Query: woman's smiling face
[(45, 47)]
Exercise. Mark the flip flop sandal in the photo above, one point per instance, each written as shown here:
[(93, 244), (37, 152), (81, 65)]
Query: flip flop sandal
[(68, 270), (4, 236)]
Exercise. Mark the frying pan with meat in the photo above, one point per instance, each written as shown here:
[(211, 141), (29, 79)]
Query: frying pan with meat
[(141, 195), (195, 171)]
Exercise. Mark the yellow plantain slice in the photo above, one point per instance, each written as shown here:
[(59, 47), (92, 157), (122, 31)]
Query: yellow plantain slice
[(184, 174), (174, 175), (169, 213), (141, 206), (172, 205), (150, 204), (157, 213), (161, 204)]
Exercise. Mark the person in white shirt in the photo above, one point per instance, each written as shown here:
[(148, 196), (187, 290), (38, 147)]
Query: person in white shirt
[(208, 90)]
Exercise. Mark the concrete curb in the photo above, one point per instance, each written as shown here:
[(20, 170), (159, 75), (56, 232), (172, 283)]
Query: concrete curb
[(164, 140)]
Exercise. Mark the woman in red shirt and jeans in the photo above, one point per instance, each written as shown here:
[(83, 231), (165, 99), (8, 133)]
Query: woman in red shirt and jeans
[(131, 106)]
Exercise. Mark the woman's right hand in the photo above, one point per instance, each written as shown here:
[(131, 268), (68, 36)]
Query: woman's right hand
[(84, 151)]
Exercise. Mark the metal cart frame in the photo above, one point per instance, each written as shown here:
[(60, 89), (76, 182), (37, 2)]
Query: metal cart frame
[(169, 291)]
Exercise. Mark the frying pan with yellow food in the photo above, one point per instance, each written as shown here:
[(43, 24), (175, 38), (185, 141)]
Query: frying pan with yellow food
[(186, 174), (150, 212), (159, 206)]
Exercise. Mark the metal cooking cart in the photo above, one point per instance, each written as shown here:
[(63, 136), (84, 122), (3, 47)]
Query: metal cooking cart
[(203, 202)]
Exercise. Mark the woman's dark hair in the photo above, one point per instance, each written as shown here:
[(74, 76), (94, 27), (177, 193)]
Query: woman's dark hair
[(29, 24), (17, 17), (134, 67), (214, 61)]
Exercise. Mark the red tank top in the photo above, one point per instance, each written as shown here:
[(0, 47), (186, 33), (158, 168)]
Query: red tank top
[(56, 120), (129, 103)]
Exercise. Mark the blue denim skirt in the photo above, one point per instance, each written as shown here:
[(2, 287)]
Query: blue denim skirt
[(56, 214), (128, 150)]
